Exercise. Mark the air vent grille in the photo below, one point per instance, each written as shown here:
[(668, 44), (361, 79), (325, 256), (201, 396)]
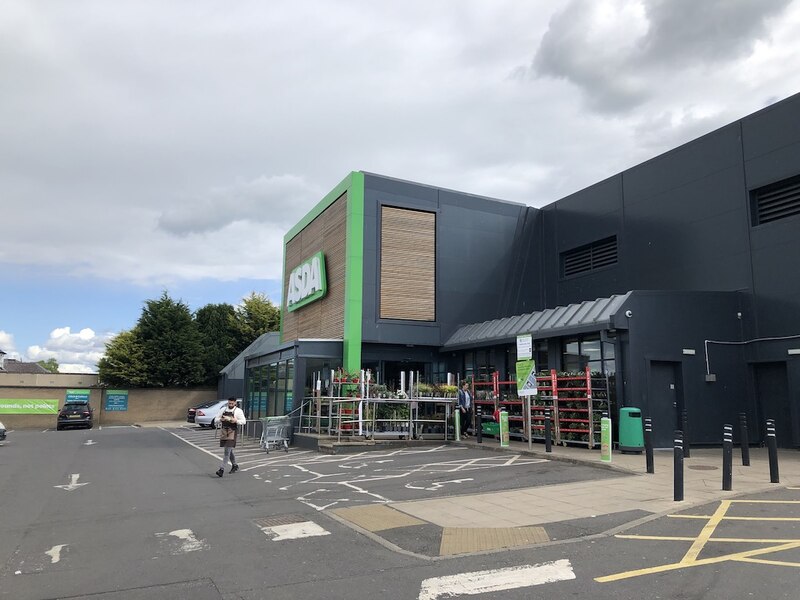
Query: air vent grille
[(591, 257)]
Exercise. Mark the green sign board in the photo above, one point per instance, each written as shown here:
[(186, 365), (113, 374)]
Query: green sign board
[(78, 395), (504, 441), (605, 439), (307, 282), (526, 378), (28, 406), (116, 400)]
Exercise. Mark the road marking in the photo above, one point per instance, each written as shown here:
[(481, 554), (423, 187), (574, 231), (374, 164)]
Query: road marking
[(89, 443), (73, 484), (55, 553), (436, 485), (495, 580), (294, 531), (186, 541), (690, 559)]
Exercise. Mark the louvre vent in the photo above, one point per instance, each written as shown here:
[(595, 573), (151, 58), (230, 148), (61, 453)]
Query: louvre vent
[(776, 201), (591, 257)]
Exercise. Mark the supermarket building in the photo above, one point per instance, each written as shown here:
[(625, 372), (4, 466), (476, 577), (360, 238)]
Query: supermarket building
[(678, 279)]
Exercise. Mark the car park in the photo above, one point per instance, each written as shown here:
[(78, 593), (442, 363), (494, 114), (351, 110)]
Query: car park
[(204, 415), (191, 413), (75, 414), (2, 431)]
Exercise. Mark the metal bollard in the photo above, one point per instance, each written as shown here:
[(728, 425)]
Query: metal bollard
[(548, 433), (745, 440), (678, 466), (685, 422), (479, 426), (727, 458), (772, 446), (648, 444)]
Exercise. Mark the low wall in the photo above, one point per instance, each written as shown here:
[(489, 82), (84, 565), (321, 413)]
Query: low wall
[(144, 405)]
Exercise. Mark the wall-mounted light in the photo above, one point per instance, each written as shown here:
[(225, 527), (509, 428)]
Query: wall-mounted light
[(793, 351), (689, 351)]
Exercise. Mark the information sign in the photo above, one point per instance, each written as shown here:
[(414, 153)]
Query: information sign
[(504, 441), (116, 400), (605, 439), (524, 346), (526, 378)]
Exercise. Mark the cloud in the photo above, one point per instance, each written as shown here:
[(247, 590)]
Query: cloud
[(75, 352), (7, 344), (614, 51)]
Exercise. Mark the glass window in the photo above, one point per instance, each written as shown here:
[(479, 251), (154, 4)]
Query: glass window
[(590, 349)]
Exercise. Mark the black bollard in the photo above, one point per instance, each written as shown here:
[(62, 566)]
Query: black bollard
[(727, 458), (745, 440), (678, 466), (548, 433), (685, 422), (479, 429), (772, 446), (648, 444)]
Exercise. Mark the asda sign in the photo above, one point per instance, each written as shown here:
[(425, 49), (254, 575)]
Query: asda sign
[(307, 282)]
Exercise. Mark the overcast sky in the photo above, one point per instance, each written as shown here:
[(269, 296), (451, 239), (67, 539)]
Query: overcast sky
[(161, 145)]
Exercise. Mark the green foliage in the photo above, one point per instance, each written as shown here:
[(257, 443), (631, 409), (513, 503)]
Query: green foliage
[(219, 335), (255, 316), (123, 363), (51, 364)]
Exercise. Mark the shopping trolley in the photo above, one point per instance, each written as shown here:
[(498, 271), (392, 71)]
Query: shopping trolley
[(275, 433)]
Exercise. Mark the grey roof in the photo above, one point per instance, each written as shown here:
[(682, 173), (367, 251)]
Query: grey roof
[(574, 318), (262, 344), (15, 366)]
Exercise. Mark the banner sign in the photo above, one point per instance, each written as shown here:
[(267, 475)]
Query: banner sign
[(605, 439), (524, 346), (78, 395), (526, 378), (116, 400), (307, 282), (504, 441), (28, 406)]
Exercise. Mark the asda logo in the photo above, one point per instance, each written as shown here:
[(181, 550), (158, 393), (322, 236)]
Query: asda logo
[(307, 282)]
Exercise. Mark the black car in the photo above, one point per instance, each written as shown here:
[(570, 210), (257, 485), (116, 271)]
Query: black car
[(75, 414)]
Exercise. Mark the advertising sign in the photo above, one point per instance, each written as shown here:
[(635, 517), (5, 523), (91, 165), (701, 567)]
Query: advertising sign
[(605, 439), (78, 395), (526, 378), (116, 400), (504, 441), (307, 282), (524, 346), (28, 406)]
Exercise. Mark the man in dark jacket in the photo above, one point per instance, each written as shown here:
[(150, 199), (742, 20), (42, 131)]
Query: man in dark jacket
[(465, 407)]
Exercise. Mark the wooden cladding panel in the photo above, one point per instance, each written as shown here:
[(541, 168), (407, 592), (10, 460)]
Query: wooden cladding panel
[(323, 318), (408, 264)]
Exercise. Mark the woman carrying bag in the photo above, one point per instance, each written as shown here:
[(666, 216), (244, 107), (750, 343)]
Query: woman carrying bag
[(228, 421)]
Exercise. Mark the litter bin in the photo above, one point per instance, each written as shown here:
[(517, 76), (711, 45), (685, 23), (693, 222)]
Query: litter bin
[(631, 432)]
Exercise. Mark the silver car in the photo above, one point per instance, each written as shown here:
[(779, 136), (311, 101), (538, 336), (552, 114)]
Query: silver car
[(2, 432), (204, 415)]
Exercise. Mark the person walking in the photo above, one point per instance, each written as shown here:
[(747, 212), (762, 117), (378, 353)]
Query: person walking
[(229, 419), (465, 406)]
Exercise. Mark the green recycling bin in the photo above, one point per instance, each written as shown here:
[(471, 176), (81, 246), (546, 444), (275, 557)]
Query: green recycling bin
[(631, 432)]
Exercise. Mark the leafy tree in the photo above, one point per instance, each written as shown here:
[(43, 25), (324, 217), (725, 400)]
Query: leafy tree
[(173, 349), (123, 363), (51, 364), (255, 316), (219, 335)]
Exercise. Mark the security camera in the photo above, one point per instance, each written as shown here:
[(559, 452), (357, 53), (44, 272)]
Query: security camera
[(628, 314)]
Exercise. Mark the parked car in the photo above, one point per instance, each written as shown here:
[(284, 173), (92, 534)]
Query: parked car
[(205, 415), (191, 413), (2, 431), (75, 414)]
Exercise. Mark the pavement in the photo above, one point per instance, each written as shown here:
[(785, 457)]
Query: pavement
[(529, 516)]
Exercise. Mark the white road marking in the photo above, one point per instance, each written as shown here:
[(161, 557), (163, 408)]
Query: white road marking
[(186, 540), (434, 486), (294, 531), (73, 484), (495, 580), (89, 443), (55, 553)]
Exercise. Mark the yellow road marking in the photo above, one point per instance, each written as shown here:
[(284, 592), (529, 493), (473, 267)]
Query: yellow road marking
[(736, 518), (666, 538), (708, 530), (767, 501)]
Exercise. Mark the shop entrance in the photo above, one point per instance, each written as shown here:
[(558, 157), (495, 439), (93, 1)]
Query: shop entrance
[(392, 370), (772, 397), (665, 393)]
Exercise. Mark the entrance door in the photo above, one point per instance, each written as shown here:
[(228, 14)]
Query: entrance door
[(665, 399), (772, 398)]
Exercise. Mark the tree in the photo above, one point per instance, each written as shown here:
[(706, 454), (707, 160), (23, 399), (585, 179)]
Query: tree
[(51, 364), (173, 350), (255, 316), (219, 335), (123, 363)]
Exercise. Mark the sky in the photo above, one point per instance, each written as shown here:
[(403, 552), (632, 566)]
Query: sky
[(151, 146)]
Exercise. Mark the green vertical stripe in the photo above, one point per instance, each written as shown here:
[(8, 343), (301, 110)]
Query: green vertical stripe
[(354, 274)]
